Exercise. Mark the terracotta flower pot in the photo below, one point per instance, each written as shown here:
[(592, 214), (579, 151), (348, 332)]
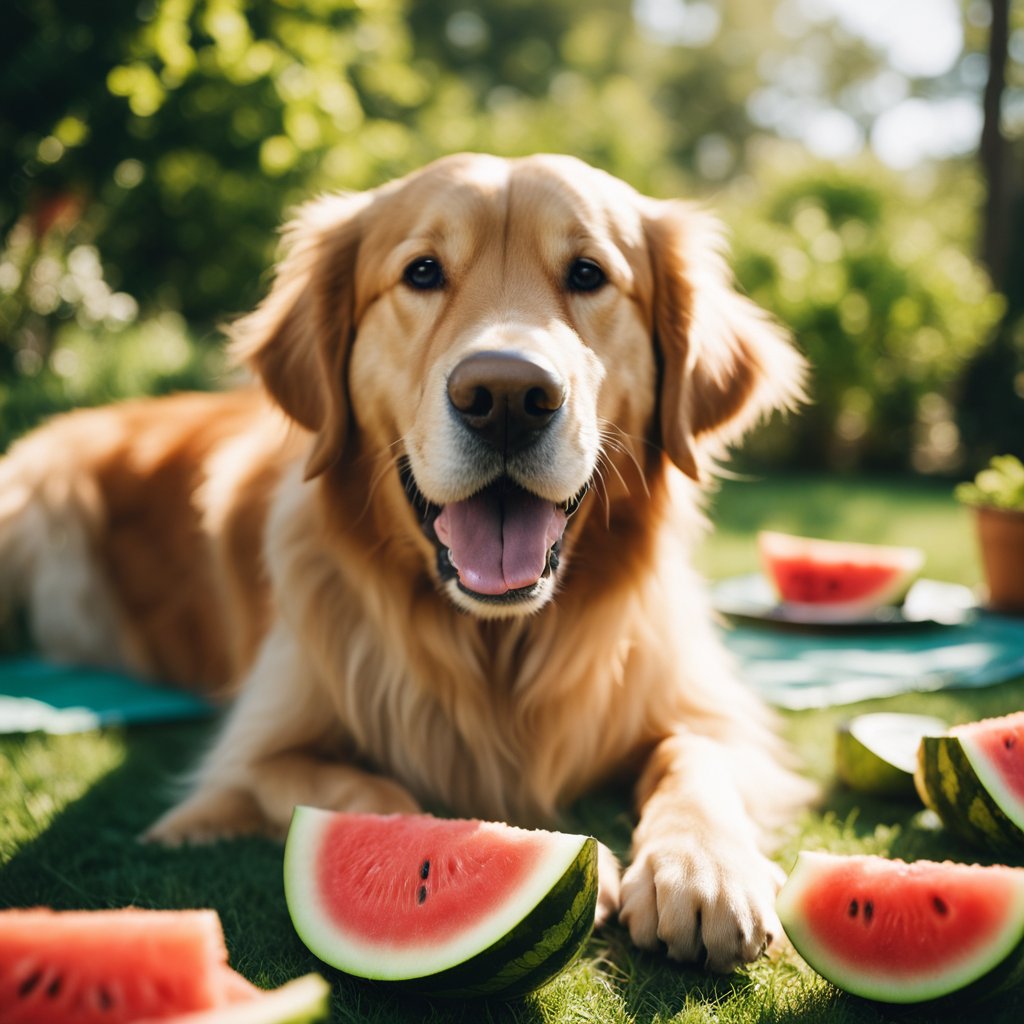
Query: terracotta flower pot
[(1001, 534)]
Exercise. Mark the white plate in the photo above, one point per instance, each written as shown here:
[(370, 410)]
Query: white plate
[(928, 603)]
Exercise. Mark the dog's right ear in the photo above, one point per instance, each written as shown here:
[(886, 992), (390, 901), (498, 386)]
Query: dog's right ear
[(298, 338)]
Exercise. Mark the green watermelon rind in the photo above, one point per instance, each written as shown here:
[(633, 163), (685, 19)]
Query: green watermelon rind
[(991, 779), (865, 766), (539, 948), (997, 969), (537, 936), (948, 781)]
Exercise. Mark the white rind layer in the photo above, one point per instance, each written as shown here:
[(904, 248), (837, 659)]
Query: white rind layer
[(353, 954), (894, 736), (297, 1002), (1009, 803)]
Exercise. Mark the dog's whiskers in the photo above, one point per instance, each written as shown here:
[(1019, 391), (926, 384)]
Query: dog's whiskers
[(601, 487), (614, 438), (391, 463)]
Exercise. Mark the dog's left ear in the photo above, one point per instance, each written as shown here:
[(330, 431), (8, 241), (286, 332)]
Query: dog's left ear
[(725, 364), (298, 338)]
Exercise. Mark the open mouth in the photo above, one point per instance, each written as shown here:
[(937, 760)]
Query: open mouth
[(500, 543)]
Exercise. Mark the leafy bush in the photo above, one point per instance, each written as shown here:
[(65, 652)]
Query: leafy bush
[(870, 272), (156, 356)]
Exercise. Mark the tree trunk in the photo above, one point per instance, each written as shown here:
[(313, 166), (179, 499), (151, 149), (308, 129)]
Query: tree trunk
[(994, 151)]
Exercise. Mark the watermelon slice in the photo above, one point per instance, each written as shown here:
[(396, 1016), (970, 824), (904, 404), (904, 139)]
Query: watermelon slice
[(449, 907), (906, 933), (973, 778), (877, 753), (832, 581), (125, 966)]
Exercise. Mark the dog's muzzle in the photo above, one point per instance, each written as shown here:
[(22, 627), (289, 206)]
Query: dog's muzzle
[(499, 543)]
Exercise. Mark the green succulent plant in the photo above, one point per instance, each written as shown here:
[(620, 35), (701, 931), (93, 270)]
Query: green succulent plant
[(999, 485)]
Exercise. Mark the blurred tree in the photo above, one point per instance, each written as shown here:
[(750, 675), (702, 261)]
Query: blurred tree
[(869, 270), (990, 403), (183, 127)]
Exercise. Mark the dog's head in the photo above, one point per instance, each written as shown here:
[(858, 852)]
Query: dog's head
[(499, 335)]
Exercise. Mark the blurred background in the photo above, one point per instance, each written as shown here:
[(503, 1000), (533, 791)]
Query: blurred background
[(866, 155)]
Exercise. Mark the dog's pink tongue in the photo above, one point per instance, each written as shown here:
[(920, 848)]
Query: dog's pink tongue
[(499, 539)]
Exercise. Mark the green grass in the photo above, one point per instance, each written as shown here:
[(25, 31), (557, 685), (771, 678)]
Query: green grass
[(71, 806)]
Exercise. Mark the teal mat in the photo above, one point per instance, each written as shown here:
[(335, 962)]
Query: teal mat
[(791, 668), (820, 666), (38, 696)]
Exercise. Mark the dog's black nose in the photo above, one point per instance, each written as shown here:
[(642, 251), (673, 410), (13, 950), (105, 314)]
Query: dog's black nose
[(506, 397)]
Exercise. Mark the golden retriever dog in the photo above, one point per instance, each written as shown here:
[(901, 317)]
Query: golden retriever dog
[(441, 556)]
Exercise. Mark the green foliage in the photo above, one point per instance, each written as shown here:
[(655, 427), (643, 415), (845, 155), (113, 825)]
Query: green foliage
[(173, 135), (152, 150), (870, 272), (999, 485)]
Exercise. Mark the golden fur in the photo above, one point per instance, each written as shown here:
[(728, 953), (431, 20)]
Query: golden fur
[(216, 542)]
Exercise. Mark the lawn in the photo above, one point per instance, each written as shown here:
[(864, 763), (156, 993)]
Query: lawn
[(70, 808)]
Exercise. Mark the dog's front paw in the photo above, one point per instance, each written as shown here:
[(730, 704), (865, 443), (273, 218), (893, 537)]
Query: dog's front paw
[(209, 816), (711, 901)]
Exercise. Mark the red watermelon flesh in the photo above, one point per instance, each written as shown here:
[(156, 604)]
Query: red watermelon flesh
[(840, 578), (995, 749), (462, 870), (899, 932), (113, 966)]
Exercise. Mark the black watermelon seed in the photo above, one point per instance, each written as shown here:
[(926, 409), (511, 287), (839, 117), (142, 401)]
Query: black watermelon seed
[(940, 905), (869, 911), (854, 907), (53, 989), (425, 870), (26, 987), (105, 999), (1010, 742), (422, 895)]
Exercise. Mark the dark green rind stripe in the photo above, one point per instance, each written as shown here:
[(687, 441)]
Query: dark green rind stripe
[(948, 784), (511, 982), (533, 952)]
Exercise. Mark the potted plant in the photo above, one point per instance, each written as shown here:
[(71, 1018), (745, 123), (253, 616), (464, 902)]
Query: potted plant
[(997, 497)]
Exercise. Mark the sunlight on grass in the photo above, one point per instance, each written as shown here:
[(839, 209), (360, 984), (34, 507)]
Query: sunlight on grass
[(898, 511), (41, 775)]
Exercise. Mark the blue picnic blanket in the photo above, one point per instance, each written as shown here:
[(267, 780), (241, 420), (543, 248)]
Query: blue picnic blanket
[(36, 695), (810, 666)]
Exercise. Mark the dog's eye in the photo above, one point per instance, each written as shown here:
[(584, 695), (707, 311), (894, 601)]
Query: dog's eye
[(424, 274), (585, 276)]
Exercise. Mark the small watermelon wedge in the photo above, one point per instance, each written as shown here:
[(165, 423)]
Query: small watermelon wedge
[(973, 778), (833, 581), (131, 965), (301, 1001), (446, 907), (877, 753), (906, 933)]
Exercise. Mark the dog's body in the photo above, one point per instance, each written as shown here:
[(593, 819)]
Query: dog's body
[(403, 575)]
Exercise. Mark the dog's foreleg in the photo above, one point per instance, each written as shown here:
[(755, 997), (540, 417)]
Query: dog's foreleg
[(698, 882), (282, 745)]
